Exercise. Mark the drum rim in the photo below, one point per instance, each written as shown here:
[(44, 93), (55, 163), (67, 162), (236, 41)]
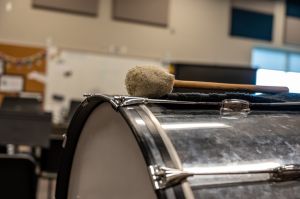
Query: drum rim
[(73, 133), (166, 159), (183, 189)]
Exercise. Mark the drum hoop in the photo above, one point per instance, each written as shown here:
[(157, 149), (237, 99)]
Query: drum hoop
[(187, 191), (151, 144), (165, 138), (145, 141), (118, 101), (73, 133)]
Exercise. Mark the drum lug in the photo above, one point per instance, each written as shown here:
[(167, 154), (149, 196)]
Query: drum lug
[(64, 140), (234, 108), (286, 173), (119, 101), (164, 177)]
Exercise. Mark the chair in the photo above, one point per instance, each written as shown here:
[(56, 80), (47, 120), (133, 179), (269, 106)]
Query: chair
[(18, 177)]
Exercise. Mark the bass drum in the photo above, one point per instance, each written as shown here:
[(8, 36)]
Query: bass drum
[(133, 148)]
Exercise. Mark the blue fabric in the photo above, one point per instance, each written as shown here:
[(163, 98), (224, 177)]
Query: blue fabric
[(251, 24), (293, 8)]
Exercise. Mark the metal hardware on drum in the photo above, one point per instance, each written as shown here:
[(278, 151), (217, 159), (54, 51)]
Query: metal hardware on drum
[(64, 140), (121, 101), (164, 177), (286, 173), (235, 107)]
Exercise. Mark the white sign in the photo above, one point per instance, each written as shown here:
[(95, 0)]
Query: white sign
[(11, 83), (39, 77)]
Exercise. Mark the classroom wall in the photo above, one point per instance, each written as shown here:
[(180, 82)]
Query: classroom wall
[(70, 74), (197, 32)]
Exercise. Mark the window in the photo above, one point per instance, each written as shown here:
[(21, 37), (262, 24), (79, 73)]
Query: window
[(250, 24), (294, 62), (277, 68), (268, 59)]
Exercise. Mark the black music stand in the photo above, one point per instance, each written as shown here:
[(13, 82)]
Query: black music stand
[(21, 104), (24, 123)]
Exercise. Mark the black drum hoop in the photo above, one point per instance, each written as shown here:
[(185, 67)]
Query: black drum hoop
[(73, 134)]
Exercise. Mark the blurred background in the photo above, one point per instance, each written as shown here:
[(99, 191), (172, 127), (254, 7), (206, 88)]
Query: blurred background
[(54, 51)]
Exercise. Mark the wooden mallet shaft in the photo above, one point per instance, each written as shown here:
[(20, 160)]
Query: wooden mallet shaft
[(249, 88)]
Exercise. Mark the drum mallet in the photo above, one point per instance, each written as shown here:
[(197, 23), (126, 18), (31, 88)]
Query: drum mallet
[(154, 82)]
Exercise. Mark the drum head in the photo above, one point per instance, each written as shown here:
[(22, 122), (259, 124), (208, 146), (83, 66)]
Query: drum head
[(108, 162)]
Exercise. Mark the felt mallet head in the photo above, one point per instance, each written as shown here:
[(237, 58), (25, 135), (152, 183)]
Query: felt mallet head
[(148, 81)]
